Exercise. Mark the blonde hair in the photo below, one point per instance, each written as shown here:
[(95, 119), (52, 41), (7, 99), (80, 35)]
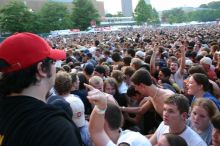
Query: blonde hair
[(95, 80), (207, 104)]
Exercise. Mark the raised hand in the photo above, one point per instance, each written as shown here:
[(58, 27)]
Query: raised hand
[(96, 97)]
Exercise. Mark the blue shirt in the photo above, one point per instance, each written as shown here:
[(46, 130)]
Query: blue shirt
[(208, 95)]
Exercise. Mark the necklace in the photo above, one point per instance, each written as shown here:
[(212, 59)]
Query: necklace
[(155, 95)]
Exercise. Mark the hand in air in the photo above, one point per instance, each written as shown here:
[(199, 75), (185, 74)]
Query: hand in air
[(96, 97)]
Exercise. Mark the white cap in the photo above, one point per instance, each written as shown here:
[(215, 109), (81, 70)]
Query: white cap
[(78, 110), (206, 60), (140, 54), (188, 62), (133, 139)]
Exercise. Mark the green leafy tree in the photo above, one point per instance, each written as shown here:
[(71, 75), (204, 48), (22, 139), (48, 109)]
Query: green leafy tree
[(204, 15), (214, 5), (119, 14), (16, 17), (108, 15), (142, 12), (83, 13), (203, 6), (155, 17), (54, 16), (175, 15)]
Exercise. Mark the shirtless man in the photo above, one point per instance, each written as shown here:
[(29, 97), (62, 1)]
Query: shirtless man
[(142, 82)]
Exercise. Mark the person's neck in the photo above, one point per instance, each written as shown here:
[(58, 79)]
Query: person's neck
[(154, 91), (114, 135), (65, 95), (201, 130), (199, 94), (177, 129), (36, 91)]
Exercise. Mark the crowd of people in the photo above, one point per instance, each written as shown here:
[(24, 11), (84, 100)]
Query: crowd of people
[(135, 87)]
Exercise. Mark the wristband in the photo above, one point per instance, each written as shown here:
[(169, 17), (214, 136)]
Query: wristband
[(100, 111), (122, 108)]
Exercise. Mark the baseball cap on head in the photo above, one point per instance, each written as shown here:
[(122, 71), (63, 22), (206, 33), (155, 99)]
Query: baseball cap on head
[(22, 50), (206, 60), (78, 110)]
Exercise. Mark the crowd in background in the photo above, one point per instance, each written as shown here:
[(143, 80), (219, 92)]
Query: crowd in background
[(183, 60), (134, 87)]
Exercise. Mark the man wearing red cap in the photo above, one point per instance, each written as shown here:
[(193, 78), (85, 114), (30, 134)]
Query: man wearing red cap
[(27, 64)]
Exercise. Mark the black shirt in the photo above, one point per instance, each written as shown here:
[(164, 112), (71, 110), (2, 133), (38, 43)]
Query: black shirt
[(26, 121)]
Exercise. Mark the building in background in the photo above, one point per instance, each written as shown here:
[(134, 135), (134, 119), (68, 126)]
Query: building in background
[(127, 9), (99, 5)]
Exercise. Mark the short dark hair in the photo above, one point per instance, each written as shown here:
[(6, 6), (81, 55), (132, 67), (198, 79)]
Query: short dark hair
[(66, 68), (131, 91), (74, 77), (197, 69), (180, 101), (17, 81), (82, 80), (100, 69), (166, 71), (175, 140), (202, 79), (216, 121), (116, 57), (129, 71), (141, 76), (88, 68), (113, 116), (131, 52), (127, 60)]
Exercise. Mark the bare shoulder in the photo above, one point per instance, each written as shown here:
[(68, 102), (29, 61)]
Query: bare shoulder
[(166, 93)]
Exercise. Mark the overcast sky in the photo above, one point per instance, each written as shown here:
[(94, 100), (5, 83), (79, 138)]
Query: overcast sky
[(113, 6)]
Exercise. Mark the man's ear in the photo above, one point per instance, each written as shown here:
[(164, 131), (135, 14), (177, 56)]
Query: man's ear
[(40, 71), (184, 115), (141, 85)]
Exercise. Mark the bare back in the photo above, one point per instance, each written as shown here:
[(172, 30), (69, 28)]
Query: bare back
[(158, 101)]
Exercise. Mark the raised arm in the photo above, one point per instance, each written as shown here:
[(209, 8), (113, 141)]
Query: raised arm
[(97, 118), (152, 61), (183, 59)]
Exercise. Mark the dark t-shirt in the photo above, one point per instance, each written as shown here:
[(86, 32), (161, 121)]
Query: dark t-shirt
[(26, 121)]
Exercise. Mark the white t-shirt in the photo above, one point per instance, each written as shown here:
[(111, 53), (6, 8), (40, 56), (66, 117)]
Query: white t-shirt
[(190, 136), (132, 138), (178, 78)]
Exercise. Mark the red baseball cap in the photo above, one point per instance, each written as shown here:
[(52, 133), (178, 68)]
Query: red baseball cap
[(22, 50)]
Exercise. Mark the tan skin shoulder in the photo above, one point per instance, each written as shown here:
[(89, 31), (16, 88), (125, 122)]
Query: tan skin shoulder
[(159, 100)]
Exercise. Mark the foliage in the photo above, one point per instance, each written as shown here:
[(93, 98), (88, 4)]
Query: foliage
[(16, 17), (108, 15), (175, 15), (83, 13), (54, 16), (211, 5), (144, 13), (203, 15), (119, 14), (155, 17)]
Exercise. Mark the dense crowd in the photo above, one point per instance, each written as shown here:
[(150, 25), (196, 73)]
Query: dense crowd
[(138, 87)]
